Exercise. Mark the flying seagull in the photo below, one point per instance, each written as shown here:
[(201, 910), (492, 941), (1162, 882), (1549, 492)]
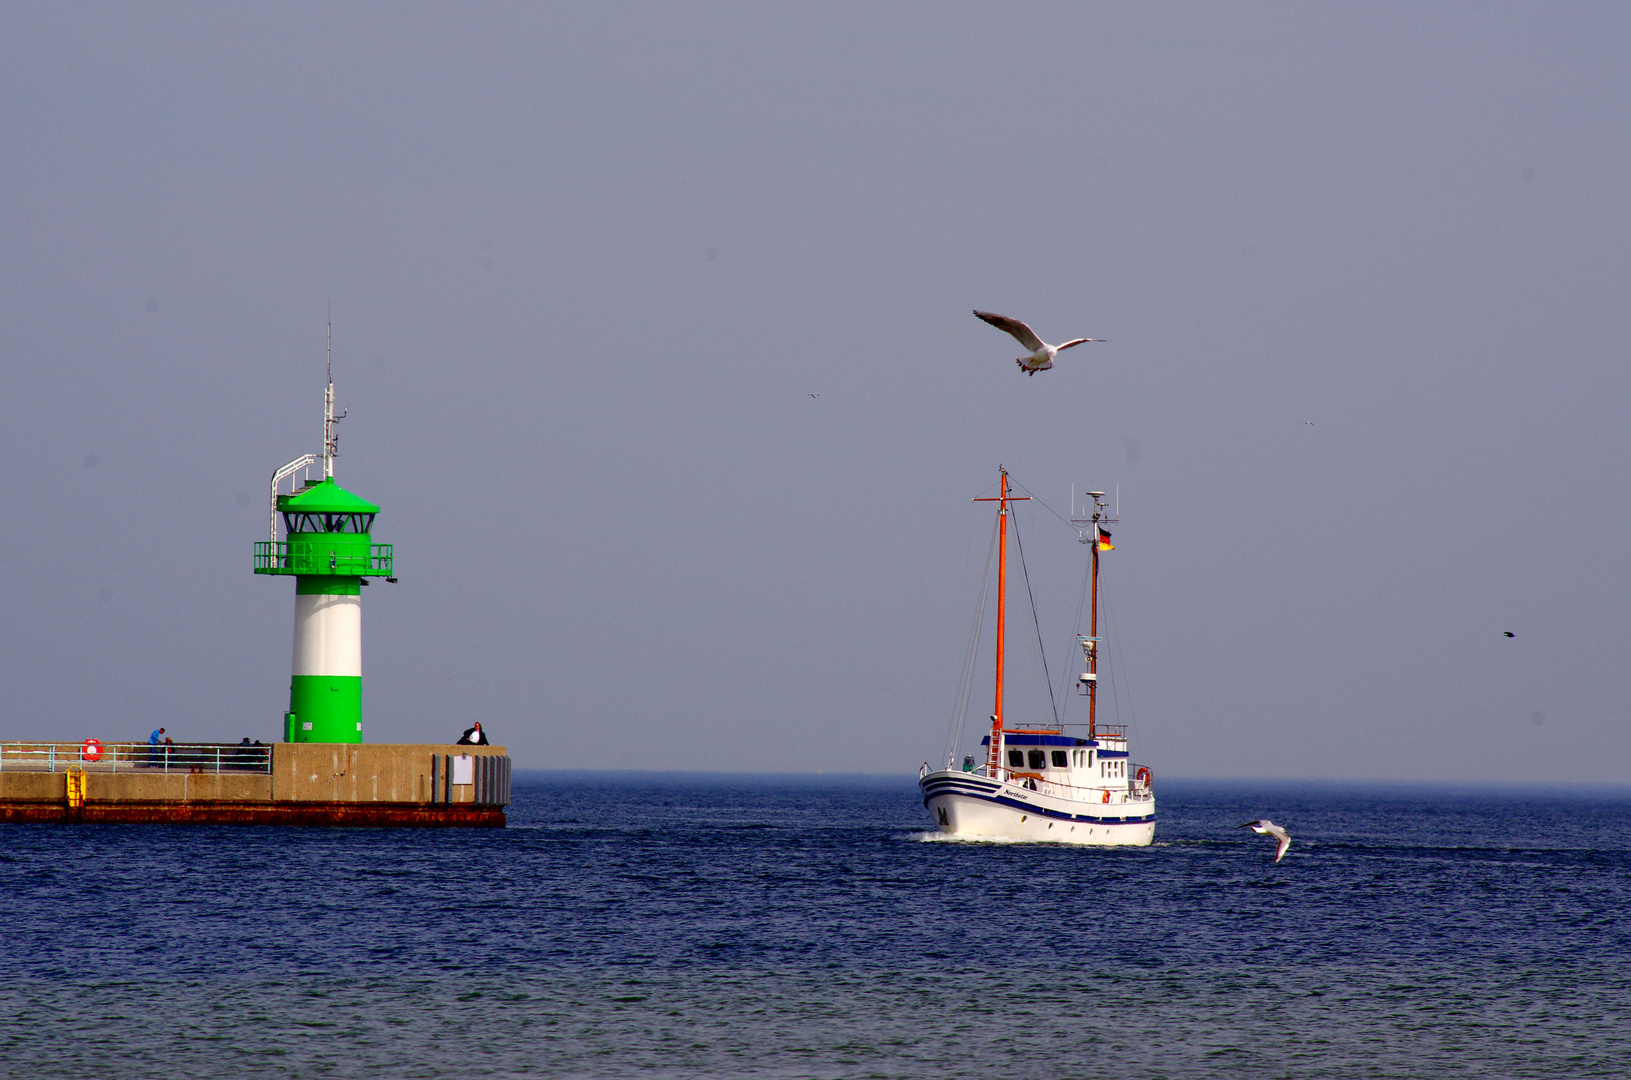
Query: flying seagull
[(1042, 354), (1265, 827), (1509, 633)]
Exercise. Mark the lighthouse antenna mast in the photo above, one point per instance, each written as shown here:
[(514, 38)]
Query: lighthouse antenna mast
[(331, 446)]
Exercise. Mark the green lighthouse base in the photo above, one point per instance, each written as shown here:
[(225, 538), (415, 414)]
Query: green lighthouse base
[(324, 709)]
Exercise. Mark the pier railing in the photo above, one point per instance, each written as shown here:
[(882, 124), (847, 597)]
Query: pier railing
[(95, 756)]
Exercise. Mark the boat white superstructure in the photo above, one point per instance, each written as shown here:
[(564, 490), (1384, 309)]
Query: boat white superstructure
[(1037, 782)]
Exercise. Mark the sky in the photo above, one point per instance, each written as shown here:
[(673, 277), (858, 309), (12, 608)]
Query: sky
[(653, 324)]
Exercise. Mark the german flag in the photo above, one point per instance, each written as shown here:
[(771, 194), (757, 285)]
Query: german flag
[(1104, 541)]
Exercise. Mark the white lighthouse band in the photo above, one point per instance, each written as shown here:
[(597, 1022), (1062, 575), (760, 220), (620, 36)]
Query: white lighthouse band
[(328, 634)]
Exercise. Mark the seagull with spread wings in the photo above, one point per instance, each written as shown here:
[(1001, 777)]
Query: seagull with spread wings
[(1265, 827), (1042, 354)]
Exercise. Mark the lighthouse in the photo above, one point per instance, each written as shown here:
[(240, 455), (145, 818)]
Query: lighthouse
[(328, 549)]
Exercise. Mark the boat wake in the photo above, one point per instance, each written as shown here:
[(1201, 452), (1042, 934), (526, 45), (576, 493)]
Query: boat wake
[(950, 838)]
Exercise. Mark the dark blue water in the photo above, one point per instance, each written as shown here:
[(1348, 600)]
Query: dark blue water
[(715, 927)]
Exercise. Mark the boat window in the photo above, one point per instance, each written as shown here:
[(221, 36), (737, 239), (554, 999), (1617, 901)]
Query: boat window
[(1016, 759), (1060, 761), (1037, 758)]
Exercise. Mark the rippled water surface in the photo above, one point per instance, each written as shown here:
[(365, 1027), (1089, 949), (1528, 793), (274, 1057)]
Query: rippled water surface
[(688, 927)]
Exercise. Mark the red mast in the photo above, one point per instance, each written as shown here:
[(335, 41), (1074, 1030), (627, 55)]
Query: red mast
[(993, 760)]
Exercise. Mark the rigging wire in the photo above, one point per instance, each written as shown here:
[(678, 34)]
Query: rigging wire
[(1047, 678), (966, 682), (1045, 506), (1115, 683), (1115, 659), (1081, 600), (1076, 624)]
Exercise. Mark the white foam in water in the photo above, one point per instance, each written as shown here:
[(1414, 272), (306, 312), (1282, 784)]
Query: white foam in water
[(949, 838)]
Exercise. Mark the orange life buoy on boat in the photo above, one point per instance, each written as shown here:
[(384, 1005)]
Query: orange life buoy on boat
[(1106, 794), (1144, 776), (91, 750)]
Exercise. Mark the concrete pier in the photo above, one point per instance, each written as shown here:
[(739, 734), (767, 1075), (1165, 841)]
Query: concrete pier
[(373, 784)]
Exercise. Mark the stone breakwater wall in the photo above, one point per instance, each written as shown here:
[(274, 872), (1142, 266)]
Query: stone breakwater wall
[(306, 784)]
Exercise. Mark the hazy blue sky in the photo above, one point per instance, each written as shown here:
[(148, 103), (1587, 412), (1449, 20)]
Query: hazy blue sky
[(588, 263)]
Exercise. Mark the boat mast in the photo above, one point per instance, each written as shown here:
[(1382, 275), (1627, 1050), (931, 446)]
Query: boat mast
[(1093, 629), (1090, 644), (1002, 615), (994, 758)]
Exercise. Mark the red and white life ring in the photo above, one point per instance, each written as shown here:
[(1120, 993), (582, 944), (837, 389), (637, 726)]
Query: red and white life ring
[(1144, 776), (91, 750), (1106, 794)]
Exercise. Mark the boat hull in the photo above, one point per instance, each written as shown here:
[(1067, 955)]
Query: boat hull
[(975, 807)]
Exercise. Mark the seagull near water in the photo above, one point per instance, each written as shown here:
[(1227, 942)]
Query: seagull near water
[(1042, 354), (1265, 827)]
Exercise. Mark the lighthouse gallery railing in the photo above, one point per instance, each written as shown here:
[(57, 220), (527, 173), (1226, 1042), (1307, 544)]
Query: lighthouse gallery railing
[(274, 556)]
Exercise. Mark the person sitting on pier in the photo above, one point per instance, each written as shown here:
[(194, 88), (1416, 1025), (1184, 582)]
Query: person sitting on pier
[(473, 736)]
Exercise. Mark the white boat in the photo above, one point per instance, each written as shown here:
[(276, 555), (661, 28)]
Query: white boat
[(1037, 782)]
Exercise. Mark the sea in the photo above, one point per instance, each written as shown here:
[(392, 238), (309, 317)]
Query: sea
[(660, 925)]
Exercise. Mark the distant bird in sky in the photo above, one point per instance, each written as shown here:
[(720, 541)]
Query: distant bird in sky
[(1042, 354), (1265, 827), (1509, 633), (1310, 423), (815, 395)]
